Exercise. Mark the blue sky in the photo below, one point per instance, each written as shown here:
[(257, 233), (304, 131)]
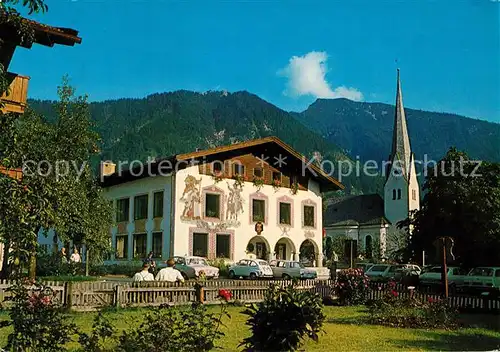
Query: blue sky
[(287, 52)]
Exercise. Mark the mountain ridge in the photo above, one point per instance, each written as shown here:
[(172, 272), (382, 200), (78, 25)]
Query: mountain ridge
[(431, 133), (163, 124)]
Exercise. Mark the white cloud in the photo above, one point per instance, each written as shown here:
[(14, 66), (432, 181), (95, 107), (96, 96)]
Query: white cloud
[(306, 76)]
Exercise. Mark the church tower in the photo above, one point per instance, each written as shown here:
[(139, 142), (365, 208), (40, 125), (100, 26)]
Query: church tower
[(401, 190)]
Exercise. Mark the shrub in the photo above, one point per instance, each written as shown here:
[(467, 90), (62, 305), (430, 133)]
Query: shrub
[(222, 265), (102, 329), (176, 329), (51, 265), (412, 312), (37, 320), (283, 320), (352, 287), (64, 278), (116, 269)]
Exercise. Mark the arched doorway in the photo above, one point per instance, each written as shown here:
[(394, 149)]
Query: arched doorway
[(285, 249), (369, 246), (308, 253), (259, 247)]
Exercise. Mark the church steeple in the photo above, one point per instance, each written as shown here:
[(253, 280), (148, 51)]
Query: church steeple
[(401, 150), (401, 190)]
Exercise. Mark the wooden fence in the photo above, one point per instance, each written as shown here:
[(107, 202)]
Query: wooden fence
[(89, 296), (85, 296), (462, 302), (59, 289)]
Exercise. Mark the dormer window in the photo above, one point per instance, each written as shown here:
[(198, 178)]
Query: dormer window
[(258, 172), (276, 176), (217, 167), (238, 170)]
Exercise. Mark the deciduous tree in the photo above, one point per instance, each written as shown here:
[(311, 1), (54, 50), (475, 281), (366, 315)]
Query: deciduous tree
[(462, 201), (62, 191)]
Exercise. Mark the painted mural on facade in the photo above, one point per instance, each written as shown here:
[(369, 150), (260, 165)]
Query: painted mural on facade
[(193, 205), (191, 198), (234, 201)]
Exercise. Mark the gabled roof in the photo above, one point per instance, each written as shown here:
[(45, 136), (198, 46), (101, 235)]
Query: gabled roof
[(271, 146), (44, 34), (359, 210)]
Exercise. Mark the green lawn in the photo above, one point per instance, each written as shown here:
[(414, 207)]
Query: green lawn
[(65, 278), (341, 334)]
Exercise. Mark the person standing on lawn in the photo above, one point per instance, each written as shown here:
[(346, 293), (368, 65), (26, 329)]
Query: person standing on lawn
[(152, 263), (169, 273), (333, 266), (63, 256), (75, 257), (144, 274)]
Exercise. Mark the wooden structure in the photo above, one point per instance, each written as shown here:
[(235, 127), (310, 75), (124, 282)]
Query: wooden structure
[(15, 99), (248, 154), (58, 288), (88, 296), (11, 37), (13, 173), (91, 296)]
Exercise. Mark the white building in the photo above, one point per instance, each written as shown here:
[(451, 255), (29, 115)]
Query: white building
[(214, 202), (369, 219)]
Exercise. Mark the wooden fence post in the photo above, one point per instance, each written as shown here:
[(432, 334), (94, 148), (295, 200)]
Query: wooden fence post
[(485, 301), (87, 261), (68, 289), (118, 294)]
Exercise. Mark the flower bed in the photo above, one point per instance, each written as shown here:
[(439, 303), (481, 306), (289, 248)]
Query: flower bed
[(411, 312), (352, 287)]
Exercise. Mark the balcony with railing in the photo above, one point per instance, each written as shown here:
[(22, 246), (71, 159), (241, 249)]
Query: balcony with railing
[(14, 100)]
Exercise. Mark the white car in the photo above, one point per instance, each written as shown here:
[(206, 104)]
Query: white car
[(411, 269), (191, 267), (250, 268)]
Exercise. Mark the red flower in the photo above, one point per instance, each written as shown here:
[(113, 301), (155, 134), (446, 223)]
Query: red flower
[(394, 293), (430, 299), (225, 295), (28, 281)]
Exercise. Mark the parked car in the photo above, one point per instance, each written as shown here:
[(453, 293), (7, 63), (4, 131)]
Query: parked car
[(288, 269), (484, 279), (411, 269), (250, 268), (382, 272), (364, 266), (432, 277), (191, 267), (427, 267)]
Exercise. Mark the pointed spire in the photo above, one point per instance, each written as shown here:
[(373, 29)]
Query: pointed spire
[(401, 150)]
